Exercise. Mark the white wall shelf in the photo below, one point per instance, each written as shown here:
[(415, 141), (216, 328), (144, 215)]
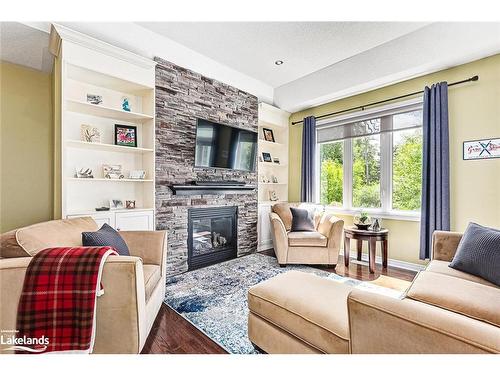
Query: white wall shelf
[(108, 179), (277, 120), (102, 111), (106, 147), (113, 74)]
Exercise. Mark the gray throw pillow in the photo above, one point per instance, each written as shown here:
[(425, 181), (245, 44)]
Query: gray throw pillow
[(478, 253), (302, 220), (106, 236)]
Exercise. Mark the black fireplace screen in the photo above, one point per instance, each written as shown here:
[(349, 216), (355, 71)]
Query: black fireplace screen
[(212, 235)]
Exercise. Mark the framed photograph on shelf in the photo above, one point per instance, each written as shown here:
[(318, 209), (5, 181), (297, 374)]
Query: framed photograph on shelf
[(126, 135), (268, 134), (89, 133), (267, 157), (115, 204)]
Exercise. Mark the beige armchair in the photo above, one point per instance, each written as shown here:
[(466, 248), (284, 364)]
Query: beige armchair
[(134, 286), (319, 247)]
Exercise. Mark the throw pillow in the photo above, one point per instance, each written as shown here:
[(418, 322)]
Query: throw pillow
[(302, 220), (106, 236), (478, 253)]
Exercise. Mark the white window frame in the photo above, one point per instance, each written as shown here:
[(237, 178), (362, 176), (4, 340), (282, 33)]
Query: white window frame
[(386, 155)]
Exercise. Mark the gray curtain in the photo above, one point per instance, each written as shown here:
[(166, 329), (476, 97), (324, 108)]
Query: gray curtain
[(435, 211), (308, 180)]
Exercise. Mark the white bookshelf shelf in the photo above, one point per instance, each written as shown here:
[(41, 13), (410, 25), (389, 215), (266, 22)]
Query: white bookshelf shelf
[(106, 147), (264, 142), (108, 179), (273, 183), (92, 211), (102, 111), (267, 164)]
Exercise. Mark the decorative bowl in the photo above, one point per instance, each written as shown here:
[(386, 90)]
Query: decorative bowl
[(362, 226), (362, 221)]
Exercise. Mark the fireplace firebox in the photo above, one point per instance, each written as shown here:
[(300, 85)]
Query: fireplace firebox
[(212, 235)]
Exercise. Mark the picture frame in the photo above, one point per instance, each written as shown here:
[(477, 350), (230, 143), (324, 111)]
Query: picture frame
[(94, 99), (90, 134), (125, 135), (481, 149), (273, 196), (267, 157), (112, 171), (115, 204), (268, 135)]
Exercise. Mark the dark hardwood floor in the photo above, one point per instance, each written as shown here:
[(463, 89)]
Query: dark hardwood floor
[(172, 334)]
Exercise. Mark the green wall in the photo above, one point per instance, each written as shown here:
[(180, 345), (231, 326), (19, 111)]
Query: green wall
[(26, 146), (474, 113)]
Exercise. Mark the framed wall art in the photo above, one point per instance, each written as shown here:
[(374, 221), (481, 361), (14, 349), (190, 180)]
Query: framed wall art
[(481, 149), (126, 135)]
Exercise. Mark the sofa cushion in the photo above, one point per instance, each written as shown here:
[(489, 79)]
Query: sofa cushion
[(152, 275), (478, 253), (465, 297), (313, 239), (440, 266), (307, 306), (106, 236), (302, 220), (9, 248), (283, 211), (54, 233)]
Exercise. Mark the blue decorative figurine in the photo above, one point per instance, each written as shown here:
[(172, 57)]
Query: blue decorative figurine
[(125, 105)]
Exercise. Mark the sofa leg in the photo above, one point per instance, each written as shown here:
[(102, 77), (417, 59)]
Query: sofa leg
[(282, 265)]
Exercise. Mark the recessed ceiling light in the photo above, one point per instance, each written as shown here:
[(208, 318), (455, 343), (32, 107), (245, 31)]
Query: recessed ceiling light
[(279, 62)]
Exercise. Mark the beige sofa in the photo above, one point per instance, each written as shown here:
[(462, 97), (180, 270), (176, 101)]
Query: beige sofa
[(443, 311), (134, 286), (319, 247)]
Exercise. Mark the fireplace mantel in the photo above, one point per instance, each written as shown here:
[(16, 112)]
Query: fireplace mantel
[(211, 189)]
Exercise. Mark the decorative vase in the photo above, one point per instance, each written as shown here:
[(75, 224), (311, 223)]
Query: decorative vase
[(376, 225)]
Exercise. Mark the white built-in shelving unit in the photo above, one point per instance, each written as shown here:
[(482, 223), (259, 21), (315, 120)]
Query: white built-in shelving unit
[(87, 66), (273, 118)]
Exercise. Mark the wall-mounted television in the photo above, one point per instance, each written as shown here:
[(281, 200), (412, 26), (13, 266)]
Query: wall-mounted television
[(223, 146)]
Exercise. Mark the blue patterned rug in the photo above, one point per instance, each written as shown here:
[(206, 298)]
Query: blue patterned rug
[(214, 299)]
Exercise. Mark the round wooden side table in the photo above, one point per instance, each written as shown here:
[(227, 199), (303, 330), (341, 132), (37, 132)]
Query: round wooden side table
[(366, 235)]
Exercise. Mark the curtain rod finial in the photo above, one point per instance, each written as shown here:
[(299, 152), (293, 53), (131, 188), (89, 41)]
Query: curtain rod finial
[(475, 78)]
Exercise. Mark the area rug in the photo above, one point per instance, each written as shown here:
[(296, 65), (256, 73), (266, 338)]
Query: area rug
[(214, 299)]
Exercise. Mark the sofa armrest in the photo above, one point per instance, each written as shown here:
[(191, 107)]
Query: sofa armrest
[(381, 324), (280, 238), (151, 246), (444, 245), (331, 227), (120, 311)]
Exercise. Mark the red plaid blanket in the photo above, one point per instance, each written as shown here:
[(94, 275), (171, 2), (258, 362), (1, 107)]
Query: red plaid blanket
[(56, 310)]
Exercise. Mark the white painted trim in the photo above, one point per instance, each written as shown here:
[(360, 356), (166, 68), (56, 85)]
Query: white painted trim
[(265, 245), (390, 262), (379, 111), (63, 33), (390, 215)]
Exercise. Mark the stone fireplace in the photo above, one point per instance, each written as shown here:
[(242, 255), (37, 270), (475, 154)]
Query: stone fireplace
[(212, 235), (183, 96)]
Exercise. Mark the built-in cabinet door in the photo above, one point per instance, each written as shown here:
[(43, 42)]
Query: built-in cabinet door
[(135, 220), (264, 228), (100, 218)]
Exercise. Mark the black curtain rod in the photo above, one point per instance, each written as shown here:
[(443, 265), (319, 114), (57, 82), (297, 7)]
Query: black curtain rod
[(362, 107)]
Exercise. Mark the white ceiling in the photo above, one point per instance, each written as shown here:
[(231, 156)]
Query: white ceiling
[(24, 45), (305, 47)]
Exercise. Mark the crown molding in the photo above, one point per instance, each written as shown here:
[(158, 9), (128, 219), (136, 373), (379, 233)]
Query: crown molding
[(59, 33)]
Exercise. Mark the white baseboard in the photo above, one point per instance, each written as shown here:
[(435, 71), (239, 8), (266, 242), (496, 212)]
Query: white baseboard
[(390, 262)]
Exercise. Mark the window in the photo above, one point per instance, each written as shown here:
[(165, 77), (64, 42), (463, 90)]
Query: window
[(372, 162)]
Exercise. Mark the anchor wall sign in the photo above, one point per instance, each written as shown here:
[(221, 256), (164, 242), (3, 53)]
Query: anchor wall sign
[(482, 149)]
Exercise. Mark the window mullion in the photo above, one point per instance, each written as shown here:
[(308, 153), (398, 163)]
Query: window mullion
[(386, 165)]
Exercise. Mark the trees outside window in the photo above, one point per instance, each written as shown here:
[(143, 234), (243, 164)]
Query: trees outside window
[(331, 173), (366, 172)]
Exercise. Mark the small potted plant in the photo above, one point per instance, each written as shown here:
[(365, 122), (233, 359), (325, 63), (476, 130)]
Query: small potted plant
[(362, 221)]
